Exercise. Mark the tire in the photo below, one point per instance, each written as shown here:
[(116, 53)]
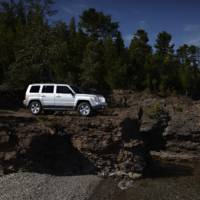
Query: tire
[(84, 109), (35, 107)]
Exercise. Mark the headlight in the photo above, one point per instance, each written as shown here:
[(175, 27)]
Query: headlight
[(102, 99)]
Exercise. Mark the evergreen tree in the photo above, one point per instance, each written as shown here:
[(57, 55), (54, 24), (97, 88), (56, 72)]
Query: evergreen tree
[(32, 59), (163, 45), (119, 43), (115, 61), (187, 54), (77, 43), (72, 27), (20, 11), (92, 54), (165, 62), (139, 52), (189, 73), (97, 25), (93, 72), (59, 52), (7, 36)]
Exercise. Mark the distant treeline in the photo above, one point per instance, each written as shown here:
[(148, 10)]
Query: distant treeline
[(90, 53)]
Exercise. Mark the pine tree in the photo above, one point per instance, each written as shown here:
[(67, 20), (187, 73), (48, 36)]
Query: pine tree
[(97, 25), (163, 45), (139, 51), (165, 62), (93, 72), (72, 28), (115, 62)]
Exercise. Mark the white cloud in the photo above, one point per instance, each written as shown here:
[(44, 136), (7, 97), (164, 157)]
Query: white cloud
[(192, 34), (128, 38), (194, 41), (192, 27)]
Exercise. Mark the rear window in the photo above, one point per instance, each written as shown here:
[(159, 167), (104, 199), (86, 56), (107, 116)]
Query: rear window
[(47, 89), (35, 89), (63, 90)]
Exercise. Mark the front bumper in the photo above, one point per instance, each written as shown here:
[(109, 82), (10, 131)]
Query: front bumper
[(25, 103)]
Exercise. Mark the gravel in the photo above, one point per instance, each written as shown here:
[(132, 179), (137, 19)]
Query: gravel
[(26, 186)]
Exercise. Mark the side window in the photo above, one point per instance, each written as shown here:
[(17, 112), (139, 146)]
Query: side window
[(47, 89), (63, 90), (35, 89)]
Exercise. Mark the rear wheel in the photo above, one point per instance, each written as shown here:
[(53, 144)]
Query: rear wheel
[(84, 109), (35, 107)]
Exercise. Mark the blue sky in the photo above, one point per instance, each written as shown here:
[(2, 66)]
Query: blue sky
[(181, 18)]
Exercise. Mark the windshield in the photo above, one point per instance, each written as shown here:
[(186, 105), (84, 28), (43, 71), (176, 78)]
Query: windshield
[(77, 90)]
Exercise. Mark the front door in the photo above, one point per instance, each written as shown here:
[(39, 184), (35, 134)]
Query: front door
[(64, 97)]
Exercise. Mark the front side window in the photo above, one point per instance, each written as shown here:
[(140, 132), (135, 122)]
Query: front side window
[(47, 89), (35, 89), (63, 90)]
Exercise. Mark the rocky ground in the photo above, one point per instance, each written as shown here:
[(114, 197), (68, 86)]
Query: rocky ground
[(25, 186), (169, 181), (120, 142), (70, 145), (178, 133)]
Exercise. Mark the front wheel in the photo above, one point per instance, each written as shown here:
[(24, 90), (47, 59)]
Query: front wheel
[(35, 107), (84, 109)]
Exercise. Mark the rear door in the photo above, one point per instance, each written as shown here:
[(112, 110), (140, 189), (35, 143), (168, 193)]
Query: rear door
[(48, 95), (64, 96)]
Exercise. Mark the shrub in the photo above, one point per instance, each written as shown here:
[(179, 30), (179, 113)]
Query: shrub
[(154, 111)]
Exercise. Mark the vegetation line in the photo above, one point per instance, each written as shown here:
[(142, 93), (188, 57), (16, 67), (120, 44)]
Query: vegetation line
[(90, 53)]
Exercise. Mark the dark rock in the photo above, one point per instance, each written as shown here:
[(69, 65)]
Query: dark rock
[(10, 156), (9, 169), (103, 144), (125, 184), (74, 145)]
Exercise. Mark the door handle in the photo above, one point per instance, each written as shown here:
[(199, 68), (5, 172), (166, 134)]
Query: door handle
[(58, 96), (43, 96)]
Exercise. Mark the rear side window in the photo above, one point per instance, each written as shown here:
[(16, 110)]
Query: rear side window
[(63, 90), (47, 89), (35, 89)]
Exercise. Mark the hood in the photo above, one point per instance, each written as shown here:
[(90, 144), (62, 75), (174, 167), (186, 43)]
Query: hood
[(88, 95)]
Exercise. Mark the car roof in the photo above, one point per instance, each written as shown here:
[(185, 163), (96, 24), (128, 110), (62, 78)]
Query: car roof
[(33, 84)]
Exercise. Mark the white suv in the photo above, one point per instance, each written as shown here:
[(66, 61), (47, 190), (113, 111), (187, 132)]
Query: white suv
[(61, 97)]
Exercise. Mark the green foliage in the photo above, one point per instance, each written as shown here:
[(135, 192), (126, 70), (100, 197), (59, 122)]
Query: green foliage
[(178, 109), (163, 44), (115, 63), (92, 66), (91, 54), (139, 53), (31, 59), (97, 25), (154, 111)]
